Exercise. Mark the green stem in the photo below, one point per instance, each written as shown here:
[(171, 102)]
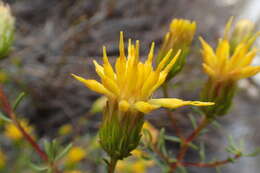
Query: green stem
[(112, 165)]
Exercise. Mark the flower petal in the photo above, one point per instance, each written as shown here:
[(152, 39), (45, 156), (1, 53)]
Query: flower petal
[(94, 85), (247, 72), (123, 105), (209, 70), (145, 107), (173, 103)]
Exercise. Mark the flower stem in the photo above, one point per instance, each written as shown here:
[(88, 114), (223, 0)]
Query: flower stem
[(211, 164), (112, 165), (187, 141)]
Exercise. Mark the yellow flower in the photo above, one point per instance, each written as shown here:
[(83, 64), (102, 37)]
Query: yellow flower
[(12, 132), (75, 155), (179, 37), (230, 62), (135, 165), (128, 88), (131, 83), (65, 129), (139, 167), (74, 171), (2, 160), (225, 65)]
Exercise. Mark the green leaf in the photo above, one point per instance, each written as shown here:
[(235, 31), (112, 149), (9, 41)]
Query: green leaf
[(147, 137), (202, 152), (4, 117), (63, 152), (18, 100), (172, 138), (47, 147), (216, 124), (178, 140), (161, 138), (193, 121), (38, 167), (254, 153), (182, 170)]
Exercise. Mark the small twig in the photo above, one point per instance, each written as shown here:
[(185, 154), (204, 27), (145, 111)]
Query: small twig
[(185, 144), (211, 164), (161, 155)]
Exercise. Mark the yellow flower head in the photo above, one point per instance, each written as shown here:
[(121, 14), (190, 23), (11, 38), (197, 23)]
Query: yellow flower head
[(179, 37), (75, 155), (132, 82), (183, 30), (12, 132), (226, 65)]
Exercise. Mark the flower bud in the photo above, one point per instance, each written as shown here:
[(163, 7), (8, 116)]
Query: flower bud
[(98, 105), (179, 37), (243, 31), (120, 131), (6, 30)]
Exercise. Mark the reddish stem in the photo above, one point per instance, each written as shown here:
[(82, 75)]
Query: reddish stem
[(186, 142), (210, 165), (33, 143), (10, 113)]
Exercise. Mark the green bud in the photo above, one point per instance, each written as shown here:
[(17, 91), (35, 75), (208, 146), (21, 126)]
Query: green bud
[(7, 29), (98, 105), (120, 132)]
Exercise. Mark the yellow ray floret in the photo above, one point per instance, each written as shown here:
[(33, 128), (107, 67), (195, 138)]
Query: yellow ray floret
[(132, 82)]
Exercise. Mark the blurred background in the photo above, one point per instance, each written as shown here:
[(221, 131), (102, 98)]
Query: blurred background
[(57, 37)]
